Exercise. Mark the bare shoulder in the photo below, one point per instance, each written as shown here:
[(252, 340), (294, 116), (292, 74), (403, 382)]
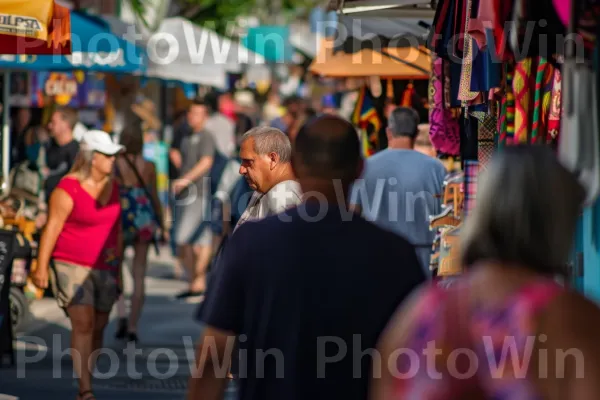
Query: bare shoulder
[(149, 165), (576, 310)]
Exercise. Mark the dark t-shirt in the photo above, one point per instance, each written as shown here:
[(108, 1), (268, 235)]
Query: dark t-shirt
[(302, 289), (59, 160)]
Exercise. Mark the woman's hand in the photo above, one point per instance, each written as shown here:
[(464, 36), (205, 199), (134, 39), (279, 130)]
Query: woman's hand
[(40, 277)]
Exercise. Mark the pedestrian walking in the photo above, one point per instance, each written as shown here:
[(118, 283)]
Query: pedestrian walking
[(266, 165), (142, 220), (192, 235), (401, 187), (60, 154), (305, 286), (83, 238)]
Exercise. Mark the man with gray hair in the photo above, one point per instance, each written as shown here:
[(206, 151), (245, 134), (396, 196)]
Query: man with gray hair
[(400, 187), (265, 156)]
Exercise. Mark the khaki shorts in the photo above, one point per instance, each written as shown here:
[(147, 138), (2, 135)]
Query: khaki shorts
[(77, 285)]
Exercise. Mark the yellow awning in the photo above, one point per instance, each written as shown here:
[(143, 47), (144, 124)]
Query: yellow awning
[(400, 63), (34, 27)]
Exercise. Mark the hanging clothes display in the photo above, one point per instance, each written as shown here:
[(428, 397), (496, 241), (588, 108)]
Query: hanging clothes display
[(444, 129), (505, 71)]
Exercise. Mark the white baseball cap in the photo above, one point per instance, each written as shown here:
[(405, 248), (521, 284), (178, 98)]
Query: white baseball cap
[(101, 142)]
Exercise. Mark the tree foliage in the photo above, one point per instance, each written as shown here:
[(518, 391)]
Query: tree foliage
[(222, 16)]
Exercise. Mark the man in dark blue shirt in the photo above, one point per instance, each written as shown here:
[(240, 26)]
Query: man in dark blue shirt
[(307, 293)]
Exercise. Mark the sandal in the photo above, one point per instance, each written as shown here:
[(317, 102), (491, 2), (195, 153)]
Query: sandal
[(87, 395)]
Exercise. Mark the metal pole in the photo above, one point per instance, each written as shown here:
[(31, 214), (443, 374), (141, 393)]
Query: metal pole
[(6, 132)]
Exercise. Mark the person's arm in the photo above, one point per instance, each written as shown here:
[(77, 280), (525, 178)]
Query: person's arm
[(213, 358), (199, 170), (61, 206), (175, 157), (202, 168), (222, 312)]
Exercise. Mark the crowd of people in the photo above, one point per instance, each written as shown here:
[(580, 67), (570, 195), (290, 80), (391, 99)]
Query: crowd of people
[(293, 242)]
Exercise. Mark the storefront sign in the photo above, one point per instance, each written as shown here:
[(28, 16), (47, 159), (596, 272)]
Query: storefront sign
[(20, 25), (60, 86), (73, 89)]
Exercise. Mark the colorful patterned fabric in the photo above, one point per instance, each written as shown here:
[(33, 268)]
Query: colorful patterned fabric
[(470, 185), (485, 137), (544, 83), (506, 120), (137, 215), (449, 318), (464, 92), (366, 115), (523, 102), (532, 87), (444, 131), (555, 108)]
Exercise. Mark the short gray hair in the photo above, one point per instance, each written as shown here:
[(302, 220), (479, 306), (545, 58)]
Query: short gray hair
[(270, 140), (526, 212), (404, 122)]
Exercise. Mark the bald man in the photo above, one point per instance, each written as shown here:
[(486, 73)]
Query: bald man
[(301, 288)]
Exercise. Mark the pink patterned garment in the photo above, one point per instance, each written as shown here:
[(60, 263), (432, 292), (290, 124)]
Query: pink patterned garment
[(444, 130), (491, 333)]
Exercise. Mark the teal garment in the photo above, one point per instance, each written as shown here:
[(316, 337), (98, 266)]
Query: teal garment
[(32, 152)]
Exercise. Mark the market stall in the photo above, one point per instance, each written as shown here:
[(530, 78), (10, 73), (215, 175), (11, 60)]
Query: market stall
[(374, 73), (489, 91)]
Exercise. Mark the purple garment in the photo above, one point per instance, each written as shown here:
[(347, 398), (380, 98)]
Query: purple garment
[(444, 130), (279, 124)]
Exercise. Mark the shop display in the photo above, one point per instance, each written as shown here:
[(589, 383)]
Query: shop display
[(445, 260), (510, 90)]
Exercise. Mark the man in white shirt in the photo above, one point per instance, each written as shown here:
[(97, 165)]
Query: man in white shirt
[(265, 154)]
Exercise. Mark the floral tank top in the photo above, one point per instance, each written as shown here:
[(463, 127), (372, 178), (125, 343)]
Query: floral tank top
[(493, 337)]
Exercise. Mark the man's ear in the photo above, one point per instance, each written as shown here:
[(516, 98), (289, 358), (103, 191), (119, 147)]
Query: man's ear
[(273, 160)]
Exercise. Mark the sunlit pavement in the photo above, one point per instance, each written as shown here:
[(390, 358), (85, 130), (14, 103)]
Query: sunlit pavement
[(157, 369)]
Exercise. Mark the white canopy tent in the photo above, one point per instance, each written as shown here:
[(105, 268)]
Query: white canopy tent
[(182, 51)]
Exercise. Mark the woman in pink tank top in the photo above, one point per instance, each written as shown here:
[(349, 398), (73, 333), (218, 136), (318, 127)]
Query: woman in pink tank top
[(507, 330), (81, 247)]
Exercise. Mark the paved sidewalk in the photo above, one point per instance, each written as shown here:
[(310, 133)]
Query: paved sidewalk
[(157, 370)]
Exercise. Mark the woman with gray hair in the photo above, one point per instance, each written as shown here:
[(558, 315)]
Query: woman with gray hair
[(83, 238), (514, 244)]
